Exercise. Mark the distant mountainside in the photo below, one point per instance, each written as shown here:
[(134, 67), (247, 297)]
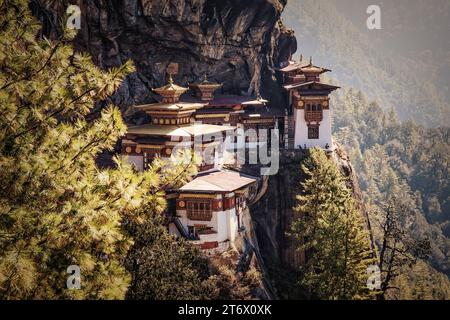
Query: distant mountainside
[(401, 160), (405, 65)]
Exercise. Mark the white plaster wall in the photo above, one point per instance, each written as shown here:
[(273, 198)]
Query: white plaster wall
[(222, 225), (301, 131), (138, 161), (232, 224), (240, 144), (207, 238), (219, 159)]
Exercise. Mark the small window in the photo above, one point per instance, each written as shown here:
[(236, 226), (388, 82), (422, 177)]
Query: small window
[(313, 132)]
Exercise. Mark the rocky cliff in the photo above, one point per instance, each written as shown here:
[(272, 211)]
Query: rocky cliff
[(235, 42), (273, 214)]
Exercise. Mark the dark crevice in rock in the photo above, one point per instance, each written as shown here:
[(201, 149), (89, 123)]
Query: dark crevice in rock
[(236, 42)]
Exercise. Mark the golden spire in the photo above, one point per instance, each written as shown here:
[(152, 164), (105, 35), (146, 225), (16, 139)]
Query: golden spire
[(310, 60), (205, 89), (301, 58), (170, 92), (170, 79)]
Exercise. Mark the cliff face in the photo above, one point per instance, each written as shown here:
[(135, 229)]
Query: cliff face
[(273, 214), (236, 42)]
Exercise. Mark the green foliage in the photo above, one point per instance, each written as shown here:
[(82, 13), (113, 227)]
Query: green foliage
[(421, 282), (285, 279), (57, 208), (165, 268), (231, 281), (401, 160), (331, 232)]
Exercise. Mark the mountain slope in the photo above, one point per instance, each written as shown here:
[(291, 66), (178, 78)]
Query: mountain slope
[(401, 161), (416, 84)]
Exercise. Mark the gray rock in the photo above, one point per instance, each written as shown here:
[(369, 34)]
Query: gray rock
[(236, 42)]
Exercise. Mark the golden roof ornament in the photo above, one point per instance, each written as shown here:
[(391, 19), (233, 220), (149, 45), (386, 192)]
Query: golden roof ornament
[(311, 68), (205, 89), (170, 92)]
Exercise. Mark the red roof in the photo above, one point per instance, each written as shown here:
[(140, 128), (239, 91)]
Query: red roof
[(292, 66), (304, 84), (305, 68), (226, 100)]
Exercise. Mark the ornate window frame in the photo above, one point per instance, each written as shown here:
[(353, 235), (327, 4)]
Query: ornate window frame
[(199, 210)]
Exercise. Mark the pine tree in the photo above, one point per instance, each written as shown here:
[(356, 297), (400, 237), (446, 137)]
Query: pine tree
[(57, 208), (330, 230), (166, 268)]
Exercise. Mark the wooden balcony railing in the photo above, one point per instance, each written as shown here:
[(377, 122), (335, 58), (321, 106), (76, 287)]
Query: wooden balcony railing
[(296, 79), (313, 116)]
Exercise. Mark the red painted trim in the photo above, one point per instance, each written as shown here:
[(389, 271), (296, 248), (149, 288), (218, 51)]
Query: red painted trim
[(209, 245), (229, 203)]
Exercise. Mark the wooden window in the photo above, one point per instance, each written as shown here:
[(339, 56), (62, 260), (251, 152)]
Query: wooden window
[(199, 210), (313, 107), (313, 132), (313, 113)]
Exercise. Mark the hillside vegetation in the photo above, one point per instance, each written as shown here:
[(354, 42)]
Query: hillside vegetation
[(415, 84), (402, 161)]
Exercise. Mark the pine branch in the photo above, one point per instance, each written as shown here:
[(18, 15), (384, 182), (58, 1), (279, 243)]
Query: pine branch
[(29, 76), (58, 111)]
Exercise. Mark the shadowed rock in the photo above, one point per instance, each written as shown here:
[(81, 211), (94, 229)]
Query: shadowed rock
[(235, 42)]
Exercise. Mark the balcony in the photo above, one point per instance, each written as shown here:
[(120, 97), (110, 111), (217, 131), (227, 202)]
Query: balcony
[(313, 116)]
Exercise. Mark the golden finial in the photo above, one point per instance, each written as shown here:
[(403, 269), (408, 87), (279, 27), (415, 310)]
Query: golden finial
[(170, 79), (310, 60), (301, 58)]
